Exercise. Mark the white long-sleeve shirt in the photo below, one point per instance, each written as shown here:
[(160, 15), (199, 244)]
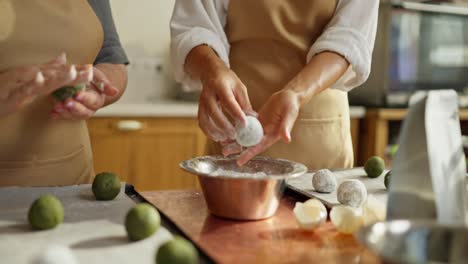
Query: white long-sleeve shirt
[(350, 33)]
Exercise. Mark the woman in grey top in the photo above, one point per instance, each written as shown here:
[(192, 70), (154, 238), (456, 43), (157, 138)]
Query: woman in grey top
[(43, 141)]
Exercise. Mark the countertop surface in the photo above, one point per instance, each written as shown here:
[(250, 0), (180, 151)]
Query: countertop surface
[(274, 240), (163, 108), (172, 108)]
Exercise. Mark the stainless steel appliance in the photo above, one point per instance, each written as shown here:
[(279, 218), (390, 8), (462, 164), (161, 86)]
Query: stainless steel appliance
[(404, 241), (420, 45)]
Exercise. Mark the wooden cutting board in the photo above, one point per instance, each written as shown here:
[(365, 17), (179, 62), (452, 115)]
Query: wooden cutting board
[(274, 240)]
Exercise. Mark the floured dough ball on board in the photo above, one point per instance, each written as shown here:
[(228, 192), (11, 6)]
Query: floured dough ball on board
[(56, 254), (352, 193), (324, 181), (251, 134)]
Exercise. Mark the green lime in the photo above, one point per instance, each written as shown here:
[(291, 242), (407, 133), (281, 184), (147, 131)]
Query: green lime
[(393, 150), (106, 186), (387, 179), (66, 92), (142, 221), (374, 167), (46, 212), (177, 251)]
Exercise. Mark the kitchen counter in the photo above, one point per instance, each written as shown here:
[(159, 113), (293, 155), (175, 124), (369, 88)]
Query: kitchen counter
[(172, 108), (274, 240), (164, 108), (94, 230)]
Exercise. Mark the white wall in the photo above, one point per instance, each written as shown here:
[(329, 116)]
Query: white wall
[(143, 26), (144, 23)]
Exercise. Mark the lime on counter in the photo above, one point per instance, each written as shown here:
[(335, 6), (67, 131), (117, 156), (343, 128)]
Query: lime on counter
[(374, 167), (177, 251), (393, 150), (106, 186), (46, 212), (387, 179), (142, 221)]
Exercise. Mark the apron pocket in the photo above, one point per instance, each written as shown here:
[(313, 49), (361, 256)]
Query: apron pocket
[(63, 170)]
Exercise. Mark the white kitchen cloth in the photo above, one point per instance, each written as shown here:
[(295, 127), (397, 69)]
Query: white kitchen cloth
[(428, 178)]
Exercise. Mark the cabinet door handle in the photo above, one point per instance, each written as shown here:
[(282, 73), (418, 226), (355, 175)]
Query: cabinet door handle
[(129, 125)]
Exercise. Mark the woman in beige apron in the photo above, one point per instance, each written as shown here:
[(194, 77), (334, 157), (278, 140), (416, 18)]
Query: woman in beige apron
[(283, 57), (42, 142)]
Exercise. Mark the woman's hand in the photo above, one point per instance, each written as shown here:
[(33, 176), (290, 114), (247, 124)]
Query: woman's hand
[(20, 86), (277, 116), (280, 112), (222, 92), (87, 102)]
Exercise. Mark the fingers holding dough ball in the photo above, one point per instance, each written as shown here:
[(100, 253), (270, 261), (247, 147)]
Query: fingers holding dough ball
[(66, 92)]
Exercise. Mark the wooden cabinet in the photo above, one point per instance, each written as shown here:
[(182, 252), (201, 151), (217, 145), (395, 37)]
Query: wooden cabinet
[(146, 151), (374, 138)]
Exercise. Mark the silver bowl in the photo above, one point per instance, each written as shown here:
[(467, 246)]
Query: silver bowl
[(404, 241), (252, 192)]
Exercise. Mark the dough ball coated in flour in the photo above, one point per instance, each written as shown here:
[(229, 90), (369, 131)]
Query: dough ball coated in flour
[(250, 135), (324, 181), (352, 193)]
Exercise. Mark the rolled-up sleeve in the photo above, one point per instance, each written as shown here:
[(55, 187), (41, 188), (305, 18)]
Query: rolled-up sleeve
[(194, 23), (351, 33), (111, 50)]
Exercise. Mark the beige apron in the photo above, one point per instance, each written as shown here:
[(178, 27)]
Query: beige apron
[(34, 150), (269, 44)]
